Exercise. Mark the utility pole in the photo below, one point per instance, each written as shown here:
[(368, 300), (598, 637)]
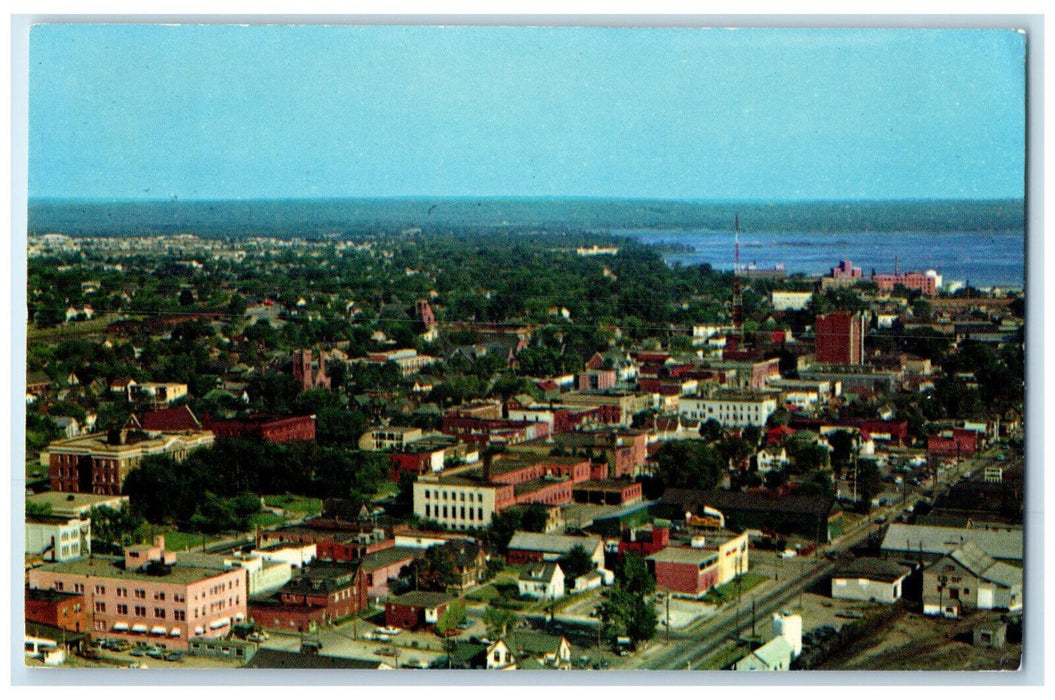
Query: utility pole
[(752, 617), (668, 618)]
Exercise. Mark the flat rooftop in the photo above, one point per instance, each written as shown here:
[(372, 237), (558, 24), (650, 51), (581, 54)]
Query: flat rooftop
[(113, 568), (71, 502)]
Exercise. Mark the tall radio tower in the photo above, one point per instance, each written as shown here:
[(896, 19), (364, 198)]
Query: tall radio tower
[(738, 299)]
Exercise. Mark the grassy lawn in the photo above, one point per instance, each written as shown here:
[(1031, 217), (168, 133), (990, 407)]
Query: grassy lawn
[(295, 504), (177, 539), (264, 519), (723, 594), (385, 490), (96, 325), (484, 594)]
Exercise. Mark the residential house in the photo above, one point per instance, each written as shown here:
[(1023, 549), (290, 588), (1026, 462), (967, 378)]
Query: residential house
[(541, 580), (538, 650)]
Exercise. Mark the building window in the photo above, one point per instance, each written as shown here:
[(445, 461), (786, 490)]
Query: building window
[(427, 509), (100, 607), (122, 609), (159, 595), (141, 611), (58, 585), (159, 613), (179, 615), (480, 513), (78, 588), (140, 593)]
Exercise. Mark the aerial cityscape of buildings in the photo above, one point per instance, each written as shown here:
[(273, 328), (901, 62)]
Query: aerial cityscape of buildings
[(365, 452)]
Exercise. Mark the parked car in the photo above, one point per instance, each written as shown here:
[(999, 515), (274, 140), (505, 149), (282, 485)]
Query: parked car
[(156, 654), (174, 656), (788, 554), (138, 652), (257, 636), (392, 631)]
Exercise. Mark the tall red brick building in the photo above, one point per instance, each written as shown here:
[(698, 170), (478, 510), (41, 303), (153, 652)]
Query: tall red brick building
[(840, 338)]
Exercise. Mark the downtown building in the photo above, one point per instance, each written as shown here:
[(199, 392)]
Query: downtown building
[(148, 596), (839, 338)]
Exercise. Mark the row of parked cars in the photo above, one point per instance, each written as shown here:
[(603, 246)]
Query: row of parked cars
[(139, 649)]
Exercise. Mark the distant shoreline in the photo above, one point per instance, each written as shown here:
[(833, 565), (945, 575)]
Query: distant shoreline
[(310, 217)]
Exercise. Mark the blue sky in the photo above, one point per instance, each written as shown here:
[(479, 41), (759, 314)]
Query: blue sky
[(211, 111)]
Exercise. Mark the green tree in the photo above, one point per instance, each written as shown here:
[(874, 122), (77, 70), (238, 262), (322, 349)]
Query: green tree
[(688, 464), (535, 518), (576, 563), (633, 575), (453, 616), (498, 621)]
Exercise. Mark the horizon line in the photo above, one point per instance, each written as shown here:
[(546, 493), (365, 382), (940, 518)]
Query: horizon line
[(503, 197)]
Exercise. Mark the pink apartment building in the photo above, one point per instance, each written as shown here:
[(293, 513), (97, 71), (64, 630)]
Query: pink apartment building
[(148, 596)]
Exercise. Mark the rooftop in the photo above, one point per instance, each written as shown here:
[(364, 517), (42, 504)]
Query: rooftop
[(420, 599), (562, 544), (386, 557), (538, 572), (684, 555), (113, 568), (933, 539), (873, 569)]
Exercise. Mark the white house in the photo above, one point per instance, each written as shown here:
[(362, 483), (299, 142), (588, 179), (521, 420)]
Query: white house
[(771, 458), (499, 657), (543, 580)]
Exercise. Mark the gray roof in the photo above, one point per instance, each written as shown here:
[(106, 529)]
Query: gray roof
[(774, 651), (985, 567), (538, 572), (872, 569), (684, 555), (1004, 574), (421, 599), (559, 544), (931, 539)]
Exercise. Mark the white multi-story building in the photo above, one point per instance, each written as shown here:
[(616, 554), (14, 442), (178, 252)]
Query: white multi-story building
[(57, 538), (790, 301), (392, 437), (460, 503), (731, 410)]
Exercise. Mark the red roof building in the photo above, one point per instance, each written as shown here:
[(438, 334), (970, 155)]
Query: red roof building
[(268, 428), (170, 420)]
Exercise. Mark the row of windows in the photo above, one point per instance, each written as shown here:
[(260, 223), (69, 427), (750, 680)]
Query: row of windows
[(455, 512), (455, 496)]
